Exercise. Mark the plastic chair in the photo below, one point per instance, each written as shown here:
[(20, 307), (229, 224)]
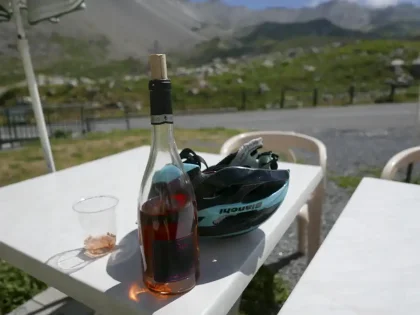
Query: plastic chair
[(400, 160), (309, 218)]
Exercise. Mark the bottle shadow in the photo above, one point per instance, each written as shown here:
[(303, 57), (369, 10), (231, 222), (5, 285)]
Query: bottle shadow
[(71, 260), (219, 258), (125, 266)]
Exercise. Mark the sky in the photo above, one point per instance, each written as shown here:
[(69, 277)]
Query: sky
[(259, 4)]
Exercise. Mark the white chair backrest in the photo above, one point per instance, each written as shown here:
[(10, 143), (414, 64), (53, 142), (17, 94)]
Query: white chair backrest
[(400, 160), (281, 142)]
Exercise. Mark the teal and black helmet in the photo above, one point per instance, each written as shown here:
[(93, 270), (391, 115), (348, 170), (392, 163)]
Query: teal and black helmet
[(239, 193)]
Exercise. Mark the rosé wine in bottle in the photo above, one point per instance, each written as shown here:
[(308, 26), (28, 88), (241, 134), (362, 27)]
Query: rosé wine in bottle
[(167, 209)]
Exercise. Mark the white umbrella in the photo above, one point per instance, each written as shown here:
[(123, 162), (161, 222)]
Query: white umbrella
[(5, 11), (38, 10)]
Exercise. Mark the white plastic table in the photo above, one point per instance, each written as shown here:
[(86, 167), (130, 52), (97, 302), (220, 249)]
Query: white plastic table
[(37, 223), (370, 261)]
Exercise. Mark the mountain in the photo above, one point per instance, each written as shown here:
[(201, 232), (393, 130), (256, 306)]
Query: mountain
[(343, 13), (405, 12), (319, 27), (272, 37), (131, 27), (118, 29), (398, 29)]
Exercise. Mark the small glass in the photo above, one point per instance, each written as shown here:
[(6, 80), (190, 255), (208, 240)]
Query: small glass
[(97, 216)]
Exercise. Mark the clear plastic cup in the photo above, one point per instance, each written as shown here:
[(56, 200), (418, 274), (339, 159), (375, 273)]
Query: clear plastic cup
[(97, 216)]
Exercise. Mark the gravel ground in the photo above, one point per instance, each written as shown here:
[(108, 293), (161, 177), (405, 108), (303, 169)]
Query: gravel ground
[(350, 152)]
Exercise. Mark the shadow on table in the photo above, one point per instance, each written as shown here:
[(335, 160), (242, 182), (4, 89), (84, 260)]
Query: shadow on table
[(125, 266), (70, 261), (219, 258)]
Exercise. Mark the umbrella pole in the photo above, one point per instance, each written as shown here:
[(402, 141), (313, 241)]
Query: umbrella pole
[(23, 47)]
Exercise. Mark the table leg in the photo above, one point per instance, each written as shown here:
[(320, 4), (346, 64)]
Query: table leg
[(315, 221), (302, 226), (235, 308), (409, 173)]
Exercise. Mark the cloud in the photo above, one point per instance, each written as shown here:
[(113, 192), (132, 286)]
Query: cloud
[(372, 3), (381, 3)]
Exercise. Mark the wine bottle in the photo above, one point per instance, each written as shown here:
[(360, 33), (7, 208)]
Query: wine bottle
[(167, 208)]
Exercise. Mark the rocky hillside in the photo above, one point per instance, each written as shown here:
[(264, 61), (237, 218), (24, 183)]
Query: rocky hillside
[(136, 27), (368, 65)]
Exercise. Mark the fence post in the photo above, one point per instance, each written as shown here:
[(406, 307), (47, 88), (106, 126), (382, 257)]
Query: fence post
[(14, 124), (243, 95), (351, 94), (282, 97), (48, 113), (88, 119), (9, 127), (88, 125), (82, 119), (127, 118), (1, 136), (392, 93), (315, 97)]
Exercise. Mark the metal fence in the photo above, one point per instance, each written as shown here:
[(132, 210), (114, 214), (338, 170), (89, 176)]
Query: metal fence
[(17, 124)]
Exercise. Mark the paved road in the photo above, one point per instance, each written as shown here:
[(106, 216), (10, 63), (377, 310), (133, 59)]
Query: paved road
[(351, 117), (366, 117)]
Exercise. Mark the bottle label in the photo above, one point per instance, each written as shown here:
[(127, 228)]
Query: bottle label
[(162, 119), (173, 260)]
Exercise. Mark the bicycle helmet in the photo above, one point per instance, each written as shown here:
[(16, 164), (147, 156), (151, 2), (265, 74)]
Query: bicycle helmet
[(239, 193)]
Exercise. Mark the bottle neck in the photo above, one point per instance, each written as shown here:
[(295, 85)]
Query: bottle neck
[(160, 102), (162, 118), (163, 137)]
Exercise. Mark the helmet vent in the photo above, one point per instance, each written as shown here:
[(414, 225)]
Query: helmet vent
[(261, 192), (224, 191)]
